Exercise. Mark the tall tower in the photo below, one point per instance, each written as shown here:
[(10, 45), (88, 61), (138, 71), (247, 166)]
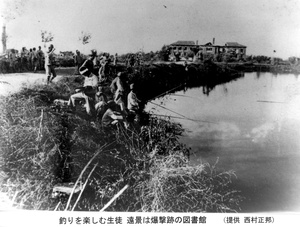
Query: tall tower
[(4, 38)]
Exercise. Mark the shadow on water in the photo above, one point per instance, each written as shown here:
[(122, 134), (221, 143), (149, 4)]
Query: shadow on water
[(259, 140), (208, 84)]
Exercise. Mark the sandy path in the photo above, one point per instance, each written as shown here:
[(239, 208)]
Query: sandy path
[(10, 83)]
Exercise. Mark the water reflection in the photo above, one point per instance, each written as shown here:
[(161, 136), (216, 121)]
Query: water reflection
[(253, 126), (209, 84)]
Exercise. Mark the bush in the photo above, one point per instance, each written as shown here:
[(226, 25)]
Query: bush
[(174, 186), (164, 53)]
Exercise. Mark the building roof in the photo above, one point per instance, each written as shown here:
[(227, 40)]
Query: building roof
[(234, 44), (183, 43)]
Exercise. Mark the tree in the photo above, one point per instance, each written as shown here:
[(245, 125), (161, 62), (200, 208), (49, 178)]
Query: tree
[(4, 39), (46, 37), (85, 37), (190, 54), (292, 60), (164, 53), (12, 9)]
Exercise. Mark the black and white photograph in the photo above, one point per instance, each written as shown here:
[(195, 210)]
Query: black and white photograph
[(181, 108)]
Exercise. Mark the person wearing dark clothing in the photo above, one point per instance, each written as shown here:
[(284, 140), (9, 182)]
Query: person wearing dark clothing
[(24, 62), (34, 59), (87, 69), (29, 57), (40, 56)]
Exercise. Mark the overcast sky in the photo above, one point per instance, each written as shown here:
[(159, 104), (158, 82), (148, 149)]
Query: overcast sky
[(131, 25)]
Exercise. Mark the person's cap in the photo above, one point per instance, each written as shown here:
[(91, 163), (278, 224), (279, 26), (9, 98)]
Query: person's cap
[(93, 53)]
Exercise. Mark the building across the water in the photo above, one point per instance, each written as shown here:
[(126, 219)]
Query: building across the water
[(185, 47)]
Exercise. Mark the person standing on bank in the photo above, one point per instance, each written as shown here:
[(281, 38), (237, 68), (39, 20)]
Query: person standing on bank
[(40, 56), (78, 62), (29, 57), (24, 63), (49, 64), (34, 59)]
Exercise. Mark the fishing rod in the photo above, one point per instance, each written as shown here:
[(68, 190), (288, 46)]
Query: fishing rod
[(185, 96), (168, 109), (167, 91), (179, 113), (266, 101), (183, 118)]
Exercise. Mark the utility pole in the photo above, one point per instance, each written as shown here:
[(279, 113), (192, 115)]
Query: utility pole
[(4, 39)]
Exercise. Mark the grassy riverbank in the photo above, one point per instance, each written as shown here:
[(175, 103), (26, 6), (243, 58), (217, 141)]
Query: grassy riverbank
[(41, 147)]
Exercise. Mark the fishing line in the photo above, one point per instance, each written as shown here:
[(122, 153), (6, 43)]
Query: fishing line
[(185, 96), (183, 118), (179, 113)]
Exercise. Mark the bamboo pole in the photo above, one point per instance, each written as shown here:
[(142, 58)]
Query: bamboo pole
[(14, 198), (85, 183), (114, 198), (57, 206), (41, 125), (82, 172)]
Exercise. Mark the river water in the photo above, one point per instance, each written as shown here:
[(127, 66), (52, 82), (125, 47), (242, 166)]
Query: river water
[(251, 126)]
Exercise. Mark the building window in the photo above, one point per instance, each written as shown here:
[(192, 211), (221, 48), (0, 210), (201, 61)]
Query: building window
[(209, 49), (242, 50)]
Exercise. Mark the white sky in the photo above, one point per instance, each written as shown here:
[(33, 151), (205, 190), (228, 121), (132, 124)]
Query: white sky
[(131, 25)]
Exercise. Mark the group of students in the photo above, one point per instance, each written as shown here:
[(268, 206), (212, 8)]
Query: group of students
[(32, 59), (26, 60), (104, 99)]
